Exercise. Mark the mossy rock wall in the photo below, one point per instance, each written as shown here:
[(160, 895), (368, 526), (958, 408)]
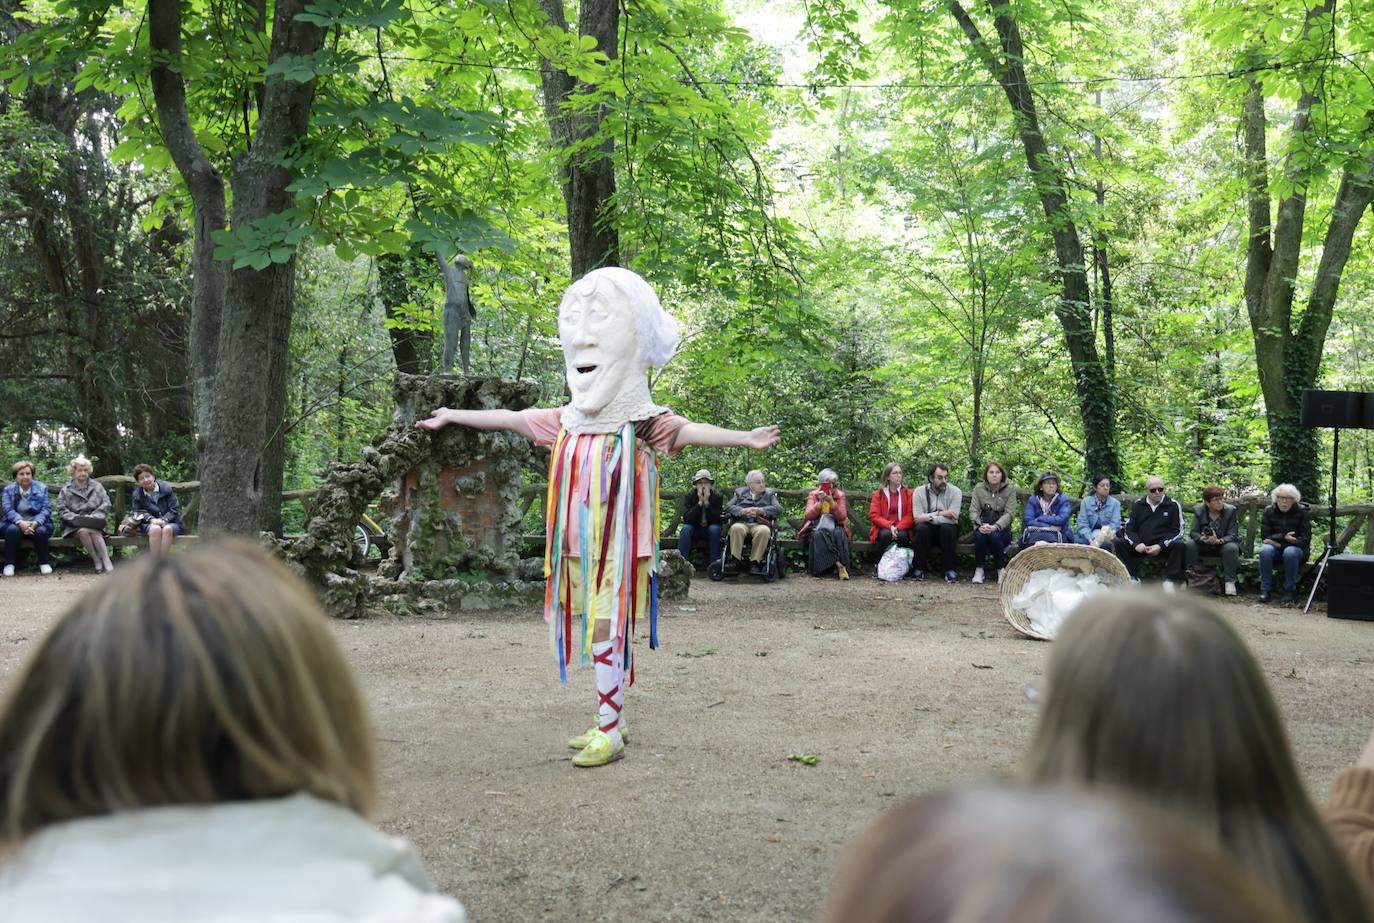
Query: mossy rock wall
[(455, 514)]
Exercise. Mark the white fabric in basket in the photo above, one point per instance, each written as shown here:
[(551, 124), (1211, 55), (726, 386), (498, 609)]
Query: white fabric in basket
[(1051, 595)]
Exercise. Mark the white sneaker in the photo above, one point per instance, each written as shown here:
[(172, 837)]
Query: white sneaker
[(109, 567), (45, 569), (977, 575), (9, 570), (1230, 588), (1135, 581), (1000, 574), (1169, 586)]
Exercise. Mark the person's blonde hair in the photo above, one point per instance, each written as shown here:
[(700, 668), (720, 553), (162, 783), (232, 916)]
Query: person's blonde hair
[(1005, 855), (78, 462), (186, 679), (20, 466), (1157, 695)]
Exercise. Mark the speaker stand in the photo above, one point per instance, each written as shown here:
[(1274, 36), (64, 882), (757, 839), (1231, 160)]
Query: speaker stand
[(1331, 522)]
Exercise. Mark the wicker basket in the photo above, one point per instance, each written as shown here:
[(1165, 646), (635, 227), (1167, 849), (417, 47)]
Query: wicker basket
[(1081, 559)]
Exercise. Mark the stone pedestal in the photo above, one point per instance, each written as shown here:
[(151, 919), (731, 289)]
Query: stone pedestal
[(456, 513)]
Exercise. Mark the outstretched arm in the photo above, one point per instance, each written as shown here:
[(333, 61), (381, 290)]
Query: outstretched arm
[(764, 437), (512, 420)]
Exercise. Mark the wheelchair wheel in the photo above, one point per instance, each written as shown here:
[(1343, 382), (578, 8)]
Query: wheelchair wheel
[(781, 564), (716, 571)]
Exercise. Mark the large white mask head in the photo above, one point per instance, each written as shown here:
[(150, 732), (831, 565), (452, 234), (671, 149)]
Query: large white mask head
[(613, 329)]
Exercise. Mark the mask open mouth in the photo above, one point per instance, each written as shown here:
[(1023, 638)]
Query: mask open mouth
[(585, 369)]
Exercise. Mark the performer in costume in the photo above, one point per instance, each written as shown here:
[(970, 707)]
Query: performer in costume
[(602, 509)]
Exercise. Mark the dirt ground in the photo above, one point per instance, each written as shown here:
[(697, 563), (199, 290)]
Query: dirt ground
[(898, 689)]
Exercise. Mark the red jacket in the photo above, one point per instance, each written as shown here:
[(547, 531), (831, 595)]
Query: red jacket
[(838, 509), (882, 512)]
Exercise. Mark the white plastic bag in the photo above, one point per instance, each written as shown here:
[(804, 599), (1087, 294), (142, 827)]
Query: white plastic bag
[(894, 564)]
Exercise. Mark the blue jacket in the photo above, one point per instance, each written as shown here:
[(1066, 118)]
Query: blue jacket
[(1056, 518), (1093, 515), (161, 503), (38, 499)]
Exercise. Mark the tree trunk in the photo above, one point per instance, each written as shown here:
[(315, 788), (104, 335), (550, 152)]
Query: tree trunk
[(589, 175), (208, 275), (241, 428), (409, 347), (1096, 398), (1289, 360), (1102, 268)]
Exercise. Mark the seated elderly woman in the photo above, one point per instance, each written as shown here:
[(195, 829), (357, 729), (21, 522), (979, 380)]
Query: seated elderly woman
[(1099, 516), (189, 743), (81, 508), (159, 502), (1216, 530), (753, 512), (1046, 517), (27, 516), (825, 534), (1286, 527)]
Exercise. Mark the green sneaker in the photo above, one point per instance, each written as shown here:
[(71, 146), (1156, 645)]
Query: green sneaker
[(581, 740), (600, 750)]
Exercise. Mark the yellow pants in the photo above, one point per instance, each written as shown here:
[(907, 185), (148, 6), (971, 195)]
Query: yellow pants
[(602, 606)]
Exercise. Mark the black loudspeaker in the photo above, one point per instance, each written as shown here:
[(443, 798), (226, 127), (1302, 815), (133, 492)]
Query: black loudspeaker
[(1350, 587), (1336, 409)]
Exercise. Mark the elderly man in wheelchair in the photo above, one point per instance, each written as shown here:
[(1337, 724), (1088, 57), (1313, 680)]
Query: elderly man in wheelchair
[(753, 512)]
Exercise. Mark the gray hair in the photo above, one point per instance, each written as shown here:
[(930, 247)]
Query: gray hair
[(1286, 490), (80, 461), (655, 328), (752, 476), (827, 476)]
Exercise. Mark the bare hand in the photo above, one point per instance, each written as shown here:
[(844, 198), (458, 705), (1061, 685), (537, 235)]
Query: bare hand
[(1140, 548), (157, 522), (1291, 536), (1155, 549), (438, 419), (26, 526), (1271, 543), (764, 437)]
